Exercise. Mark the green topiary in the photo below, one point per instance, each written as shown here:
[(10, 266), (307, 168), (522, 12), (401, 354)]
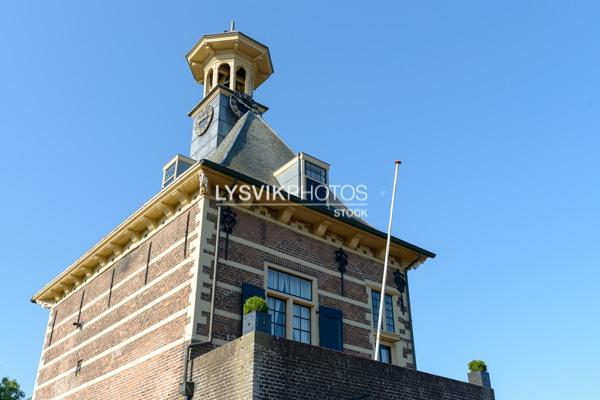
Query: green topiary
[(477, 366), (255, 303)]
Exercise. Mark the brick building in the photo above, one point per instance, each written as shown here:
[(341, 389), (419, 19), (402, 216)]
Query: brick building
[(142, 312)]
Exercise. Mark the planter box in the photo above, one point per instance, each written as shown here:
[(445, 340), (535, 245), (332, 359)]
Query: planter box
[(257, 321), (480, 379)]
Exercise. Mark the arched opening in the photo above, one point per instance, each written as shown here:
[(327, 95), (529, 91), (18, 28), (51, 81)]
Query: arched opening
[(224, 74), (240, 80), (208, 81)]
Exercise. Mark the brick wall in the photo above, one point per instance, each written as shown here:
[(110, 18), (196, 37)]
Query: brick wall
[(131, 341), (259, 240), (225, 373), (282, 369)]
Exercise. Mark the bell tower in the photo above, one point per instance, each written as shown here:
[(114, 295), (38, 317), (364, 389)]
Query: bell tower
[(231, 59), (228, 64)]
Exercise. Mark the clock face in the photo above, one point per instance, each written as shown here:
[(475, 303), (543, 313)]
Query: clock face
[(241, 103), (203, 121)]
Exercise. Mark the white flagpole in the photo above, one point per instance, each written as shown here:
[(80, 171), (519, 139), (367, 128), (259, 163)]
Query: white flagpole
[(385, 265)]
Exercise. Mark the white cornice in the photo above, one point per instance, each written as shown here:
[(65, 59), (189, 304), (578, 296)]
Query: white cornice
[(124, 237)]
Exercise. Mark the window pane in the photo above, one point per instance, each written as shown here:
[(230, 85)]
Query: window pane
[(389, 313), (385, 354), (315, 172), (305, 313), (277, 312), (305, 325), (305, 337), (301, 328), (279, 331), (289, 284), (272, 281), (284, 283), (170, 172), (295, 286), (306, 290), (375, 304), (388, 310)]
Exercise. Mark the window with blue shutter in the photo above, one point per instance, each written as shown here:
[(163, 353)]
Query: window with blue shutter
[(331, 330), (301, 324)]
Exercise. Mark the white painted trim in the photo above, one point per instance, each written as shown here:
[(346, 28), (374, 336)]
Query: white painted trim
[(206, 230), (357, 324), (243, 267), (122, 368), (161, 223), (226, 286), (196, 267), (344, 299), (358, 349), (377, 286), (229, 287), (227, 314)]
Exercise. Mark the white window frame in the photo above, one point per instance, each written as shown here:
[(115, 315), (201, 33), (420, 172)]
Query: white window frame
[(167, 181), (392, 339), (176, 161), (303, 158), (290, 300)]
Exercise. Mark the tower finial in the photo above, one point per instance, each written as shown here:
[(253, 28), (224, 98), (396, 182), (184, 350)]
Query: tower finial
[(232, 26)]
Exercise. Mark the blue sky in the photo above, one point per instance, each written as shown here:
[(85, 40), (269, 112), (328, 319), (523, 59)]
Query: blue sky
[(494, 108)]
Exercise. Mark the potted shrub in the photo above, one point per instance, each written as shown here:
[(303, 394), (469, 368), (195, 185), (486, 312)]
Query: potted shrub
[(256, 316), (478, 374)]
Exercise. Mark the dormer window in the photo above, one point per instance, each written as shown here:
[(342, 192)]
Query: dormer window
[(169, 175), (306, 177), (174, 168), (315, 182)]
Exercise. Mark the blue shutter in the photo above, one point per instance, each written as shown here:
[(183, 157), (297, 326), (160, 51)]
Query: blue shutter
[(249, 290), (331, 330)]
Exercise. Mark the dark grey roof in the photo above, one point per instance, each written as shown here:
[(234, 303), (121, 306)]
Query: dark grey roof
[(252, 148)]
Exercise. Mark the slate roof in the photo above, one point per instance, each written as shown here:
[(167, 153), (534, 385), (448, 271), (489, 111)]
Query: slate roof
[(253, 148)]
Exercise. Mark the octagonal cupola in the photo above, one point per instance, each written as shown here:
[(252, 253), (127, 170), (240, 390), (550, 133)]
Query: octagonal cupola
[(231, 59)]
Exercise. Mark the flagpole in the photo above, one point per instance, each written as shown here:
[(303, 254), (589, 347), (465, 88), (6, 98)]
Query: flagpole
[(385, 265)]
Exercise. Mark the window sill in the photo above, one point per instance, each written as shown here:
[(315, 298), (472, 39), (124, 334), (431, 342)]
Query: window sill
[(388, 336)]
